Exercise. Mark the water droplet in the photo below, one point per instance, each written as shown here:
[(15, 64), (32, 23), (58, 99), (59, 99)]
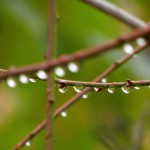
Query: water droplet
[(111, 89), (33, 80), (85, 96), (11, 82), (28, 143), (140, 41), (78, 88), (137, 87), (59, 71), (97, 89), (126, 89), (64, 114), (73, 67), (104, 80), (62, 87), (42, 74), (128, 49), (23, 79)]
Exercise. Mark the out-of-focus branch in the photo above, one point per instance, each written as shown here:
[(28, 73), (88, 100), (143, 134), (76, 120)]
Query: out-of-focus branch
[(49, 99), (80, 55), (116, 12), (76, 97)]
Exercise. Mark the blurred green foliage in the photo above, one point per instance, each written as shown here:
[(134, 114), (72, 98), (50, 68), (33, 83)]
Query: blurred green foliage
[(23, 40)]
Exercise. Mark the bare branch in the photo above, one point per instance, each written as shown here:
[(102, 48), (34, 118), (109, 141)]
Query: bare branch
[(103, 85), (117, 13), (76, 97), (80, 55), (49, 100), (30, 136)]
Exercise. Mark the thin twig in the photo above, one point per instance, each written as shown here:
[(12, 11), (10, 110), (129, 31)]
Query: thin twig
[(103, 85), (49, 101), (107, 72), (30, 136), (76, 97), (116, 12), (80, 55)]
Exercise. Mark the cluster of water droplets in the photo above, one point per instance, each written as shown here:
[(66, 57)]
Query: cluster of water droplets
[(24, 79), (129, 49), (71, 66)]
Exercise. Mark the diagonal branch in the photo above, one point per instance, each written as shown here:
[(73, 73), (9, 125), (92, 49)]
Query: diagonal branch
[(116, 12), (80, 55), (76, 97)]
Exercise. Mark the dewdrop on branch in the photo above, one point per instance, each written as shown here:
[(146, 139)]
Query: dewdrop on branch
[(111, 89), (73, 67), (104, 80), (126, 89), (140, 41), (64, 114), (59, 71), (137, 87), (85, 96), (62, 87), (33, 80), (11, 82), (97, 89), (41, 74), (78, 88), (63, 90), (23, 79), (128, 49), (28, 143)]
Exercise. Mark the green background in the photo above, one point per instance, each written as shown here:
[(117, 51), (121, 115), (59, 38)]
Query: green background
[(113, 117)]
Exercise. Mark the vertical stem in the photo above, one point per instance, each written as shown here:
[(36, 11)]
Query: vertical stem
[(48, 56)]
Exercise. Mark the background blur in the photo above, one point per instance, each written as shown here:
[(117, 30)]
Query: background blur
[(90, 123)]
